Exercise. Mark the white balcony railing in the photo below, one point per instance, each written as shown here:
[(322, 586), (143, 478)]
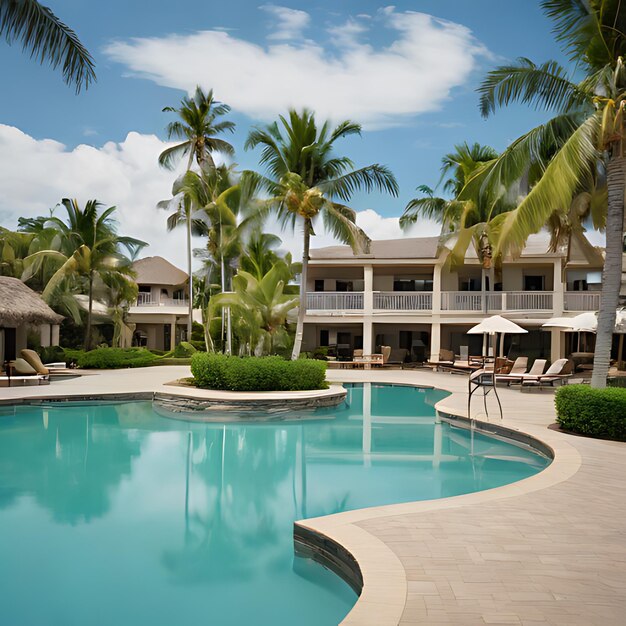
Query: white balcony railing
[(334, 301), (581, 301), (497, 301), (147, 299), (403, 300), (461, 301)]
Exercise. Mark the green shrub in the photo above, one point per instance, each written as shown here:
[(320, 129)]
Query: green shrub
[(183, 349), (199, 344), (51, 354), (271, 373), (113, 358), (595, 412)]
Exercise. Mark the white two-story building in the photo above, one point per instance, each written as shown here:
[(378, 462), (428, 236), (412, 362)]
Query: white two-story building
[(404, 295), (161, 311)]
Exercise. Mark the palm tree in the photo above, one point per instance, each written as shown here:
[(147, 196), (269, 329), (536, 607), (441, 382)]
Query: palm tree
[(587, 135), (304, 177), (90, 250), (48, 39), (197, 131), (466, 221), (262, 305)]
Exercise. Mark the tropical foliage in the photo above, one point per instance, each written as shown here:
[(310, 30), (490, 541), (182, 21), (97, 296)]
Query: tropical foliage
[(46, 38), (577, 149), (306, 181)]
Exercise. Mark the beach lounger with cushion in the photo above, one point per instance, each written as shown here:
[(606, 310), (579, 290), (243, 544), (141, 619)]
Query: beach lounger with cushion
[(32, 358), (557, 372), (516, 377)]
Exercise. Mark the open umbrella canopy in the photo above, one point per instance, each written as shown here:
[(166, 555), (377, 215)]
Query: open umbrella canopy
[(496, 324), (586, 322)]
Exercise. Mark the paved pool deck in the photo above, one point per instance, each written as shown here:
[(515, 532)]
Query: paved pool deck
[(550, 549)]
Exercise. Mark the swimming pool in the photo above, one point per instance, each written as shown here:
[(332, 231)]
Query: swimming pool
[(111, 514)]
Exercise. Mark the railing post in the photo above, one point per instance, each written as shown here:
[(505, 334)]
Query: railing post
[(504, 301), (558, 304)]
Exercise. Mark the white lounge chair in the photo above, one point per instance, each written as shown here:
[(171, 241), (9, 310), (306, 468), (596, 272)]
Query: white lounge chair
[(516, 377), (555, 373)]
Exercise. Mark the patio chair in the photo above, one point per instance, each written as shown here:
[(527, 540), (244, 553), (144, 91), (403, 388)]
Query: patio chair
[(32, 358), (557, 372), (397, 356), (516, 377)]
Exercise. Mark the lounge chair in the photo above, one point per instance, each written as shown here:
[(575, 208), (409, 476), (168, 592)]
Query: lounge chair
[(555, 373), (32, 358), (397, 356), (516, 377)]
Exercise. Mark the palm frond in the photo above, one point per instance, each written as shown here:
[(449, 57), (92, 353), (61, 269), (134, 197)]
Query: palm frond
[(48, 39), (170, 156), (555, 189), (545, 86), (372, 177), (339, 220)]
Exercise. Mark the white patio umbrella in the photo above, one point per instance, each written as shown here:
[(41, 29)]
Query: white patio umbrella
[(494, 325), (588, 323)]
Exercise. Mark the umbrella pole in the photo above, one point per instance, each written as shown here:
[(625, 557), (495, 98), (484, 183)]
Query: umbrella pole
[(501, 344)]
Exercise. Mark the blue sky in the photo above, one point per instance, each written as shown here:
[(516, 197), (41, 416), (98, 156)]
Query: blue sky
[(410, 79)]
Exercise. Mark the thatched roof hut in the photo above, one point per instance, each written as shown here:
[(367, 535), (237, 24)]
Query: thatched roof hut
[(19, 305)]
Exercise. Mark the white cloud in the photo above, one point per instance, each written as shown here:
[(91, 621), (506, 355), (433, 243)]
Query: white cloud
[(349, 78), (289, 22), (35, 174)]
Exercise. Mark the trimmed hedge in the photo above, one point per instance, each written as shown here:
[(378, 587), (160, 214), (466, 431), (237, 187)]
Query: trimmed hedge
[(270, 373), (595, 412), (112, 358)]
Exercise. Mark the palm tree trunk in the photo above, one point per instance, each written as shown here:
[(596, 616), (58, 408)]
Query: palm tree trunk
[(89, 313), (190, 308), (297, 344), (612, 273)]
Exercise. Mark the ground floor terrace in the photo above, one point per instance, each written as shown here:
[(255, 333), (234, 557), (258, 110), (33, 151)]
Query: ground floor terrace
[(547, 550), (423, 341)]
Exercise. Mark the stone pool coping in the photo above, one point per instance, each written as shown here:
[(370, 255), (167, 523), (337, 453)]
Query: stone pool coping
[(383, 596)]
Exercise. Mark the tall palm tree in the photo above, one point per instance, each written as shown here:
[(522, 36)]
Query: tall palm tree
[(303, 176), (90, 250), (47, 39), (587, 133), (197, 131), (198, 128)]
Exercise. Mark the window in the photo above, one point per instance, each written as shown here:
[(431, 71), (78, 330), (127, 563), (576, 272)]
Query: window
[(145, 289), (469, 284), (324, 338), (319, 286), (344, 285), (412, 284), (534, 283)]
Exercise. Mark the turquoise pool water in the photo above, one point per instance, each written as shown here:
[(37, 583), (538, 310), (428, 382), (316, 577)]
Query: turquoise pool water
[(113, 515)]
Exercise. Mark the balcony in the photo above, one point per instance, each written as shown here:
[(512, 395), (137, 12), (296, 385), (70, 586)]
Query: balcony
[(581, 301), (334, 301), (148, 300), (451, 301), (403, 300), (465, 301)]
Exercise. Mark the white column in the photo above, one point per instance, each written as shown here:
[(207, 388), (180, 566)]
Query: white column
[(368, 308), (44, 335), (55, 335), (367, 336), (437, 290), (435, 341), (559, 289), (173, 334), (368, 287), (556, 346)]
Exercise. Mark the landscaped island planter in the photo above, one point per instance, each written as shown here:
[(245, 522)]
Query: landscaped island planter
[(594, 412), (270, 373)]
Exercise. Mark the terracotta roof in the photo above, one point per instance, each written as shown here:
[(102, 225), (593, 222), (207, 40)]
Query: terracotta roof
[(155, 270), (19, 304)]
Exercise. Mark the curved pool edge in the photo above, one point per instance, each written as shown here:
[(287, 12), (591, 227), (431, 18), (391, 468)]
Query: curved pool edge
[(383, 595)]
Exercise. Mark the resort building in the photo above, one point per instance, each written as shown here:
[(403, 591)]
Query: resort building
[(22, 309), (404, 295), (161, 311)]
